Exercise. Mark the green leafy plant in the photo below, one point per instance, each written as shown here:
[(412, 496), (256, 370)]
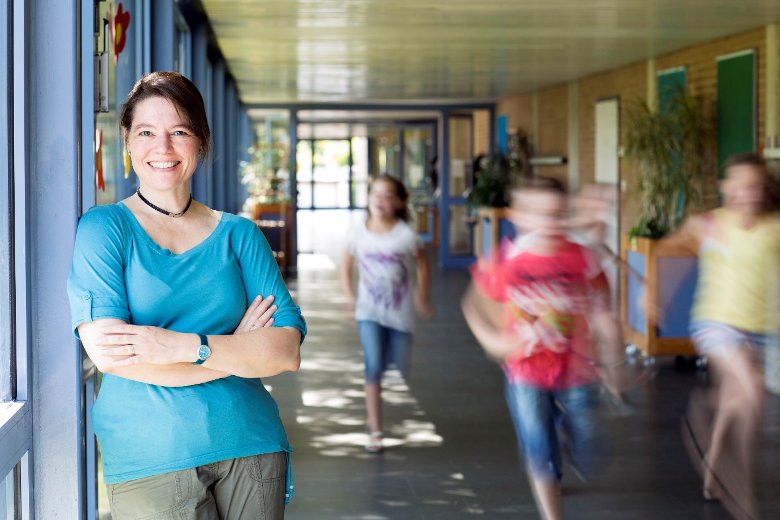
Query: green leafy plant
[(265, 173), (673, 149), (495, 174)]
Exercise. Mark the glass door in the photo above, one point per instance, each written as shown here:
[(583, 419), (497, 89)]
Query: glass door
[(456, 244), (418, 164)]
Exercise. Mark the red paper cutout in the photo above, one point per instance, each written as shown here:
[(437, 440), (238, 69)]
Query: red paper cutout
[(119, 28), (99, 180)]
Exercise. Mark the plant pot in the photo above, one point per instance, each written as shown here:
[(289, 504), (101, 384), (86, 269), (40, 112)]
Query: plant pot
[(670, 276)]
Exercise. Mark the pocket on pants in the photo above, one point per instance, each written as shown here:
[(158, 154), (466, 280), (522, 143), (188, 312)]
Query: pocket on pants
[(150, 497), (269, 472)]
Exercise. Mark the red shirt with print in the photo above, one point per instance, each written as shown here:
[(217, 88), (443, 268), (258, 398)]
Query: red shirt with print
[(548, 299)]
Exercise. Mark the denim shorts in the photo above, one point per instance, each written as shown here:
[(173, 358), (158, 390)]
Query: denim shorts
[(716, 337), (549, 421), (383, 347)]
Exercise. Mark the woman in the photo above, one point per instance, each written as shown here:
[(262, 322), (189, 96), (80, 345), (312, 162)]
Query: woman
[(167, 297)]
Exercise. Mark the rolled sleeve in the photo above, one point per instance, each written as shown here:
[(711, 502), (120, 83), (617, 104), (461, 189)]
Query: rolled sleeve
[(96, 287)]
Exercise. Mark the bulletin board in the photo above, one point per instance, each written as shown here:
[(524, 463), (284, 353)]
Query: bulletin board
[(736, 108)]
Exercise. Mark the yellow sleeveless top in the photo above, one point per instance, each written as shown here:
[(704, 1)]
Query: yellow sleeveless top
[(738, 273)]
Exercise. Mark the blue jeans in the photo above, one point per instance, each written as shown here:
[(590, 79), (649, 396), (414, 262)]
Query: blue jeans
[(541, 415), (383, 347)]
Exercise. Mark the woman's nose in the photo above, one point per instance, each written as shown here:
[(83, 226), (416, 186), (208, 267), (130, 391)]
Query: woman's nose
[(162, 142)]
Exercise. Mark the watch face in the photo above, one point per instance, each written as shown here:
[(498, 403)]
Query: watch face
[(204, 352)]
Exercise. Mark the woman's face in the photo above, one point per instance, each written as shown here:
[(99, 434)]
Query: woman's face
[(163, 149)]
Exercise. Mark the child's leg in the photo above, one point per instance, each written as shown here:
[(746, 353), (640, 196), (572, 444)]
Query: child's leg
[(577, 408), (399, 351), (722, 426), (533, 414), (373, 337), (739, 403)]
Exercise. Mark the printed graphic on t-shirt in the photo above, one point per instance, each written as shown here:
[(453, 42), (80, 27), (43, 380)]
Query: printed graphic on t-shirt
[(386, 278), (545, 310)]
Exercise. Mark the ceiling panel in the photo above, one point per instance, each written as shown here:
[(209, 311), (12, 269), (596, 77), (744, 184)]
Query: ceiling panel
[(284, 51)]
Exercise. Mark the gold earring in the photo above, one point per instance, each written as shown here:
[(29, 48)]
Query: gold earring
[(126, 154)]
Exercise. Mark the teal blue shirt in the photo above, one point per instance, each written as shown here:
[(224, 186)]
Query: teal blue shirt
[(119, 272)]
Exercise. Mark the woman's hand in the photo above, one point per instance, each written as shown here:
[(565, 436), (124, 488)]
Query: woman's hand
[(124, 345), (258, 315)]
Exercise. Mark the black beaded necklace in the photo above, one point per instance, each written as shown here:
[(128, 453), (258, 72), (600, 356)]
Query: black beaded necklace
[(163, 211)]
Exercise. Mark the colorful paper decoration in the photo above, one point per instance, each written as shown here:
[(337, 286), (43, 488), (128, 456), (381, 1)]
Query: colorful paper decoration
[(99, 180), (126, 157), (119, 29)]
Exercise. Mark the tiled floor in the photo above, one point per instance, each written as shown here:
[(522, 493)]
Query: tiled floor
[(452, 450)]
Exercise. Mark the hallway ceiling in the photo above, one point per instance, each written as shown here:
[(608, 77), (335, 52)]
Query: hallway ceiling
[(287, 51)]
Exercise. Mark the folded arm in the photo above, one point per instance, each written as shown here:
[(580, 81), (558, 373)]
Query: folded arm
[(163, 357)]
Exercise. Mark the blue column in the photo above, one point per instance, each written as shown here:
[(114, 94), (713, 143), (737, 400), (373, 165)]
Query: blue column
[(218, 131), (444, 185), (231, 150), (47, 203), (163, 44), (293, 165), (199, 58)]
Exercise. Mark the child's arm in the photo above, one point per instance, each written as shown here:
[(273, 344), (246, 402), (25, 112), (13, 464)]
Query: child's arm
[(422, 294), (483, 316), (345, 271)]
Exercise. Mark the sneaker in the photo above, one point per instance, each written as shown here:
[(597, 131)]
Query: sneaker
[(374, 443)]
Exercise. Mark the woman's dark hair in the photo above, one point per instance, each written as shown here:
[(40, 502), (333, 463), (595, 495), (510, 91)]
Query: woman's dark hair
[(400, 191), (181, 92)]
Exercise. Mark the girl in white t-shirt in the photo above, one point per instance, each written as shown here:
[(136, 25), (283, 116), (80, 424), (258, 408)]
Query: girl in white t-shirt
[(388, 251)]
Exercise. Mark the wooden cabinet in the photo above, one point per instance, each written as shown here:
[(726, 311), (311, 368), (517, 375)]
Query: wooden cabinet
[(670, 276), (276, 220)]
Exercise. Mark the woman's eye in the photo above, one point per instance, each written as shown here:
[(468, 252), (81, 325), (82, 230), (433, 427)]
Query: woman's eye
[(144, 133), (180, 132)]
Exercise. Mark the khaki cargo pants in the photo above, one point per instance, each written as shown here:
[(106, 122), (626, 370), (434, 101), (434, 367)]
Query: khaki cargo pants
[(248, 488)]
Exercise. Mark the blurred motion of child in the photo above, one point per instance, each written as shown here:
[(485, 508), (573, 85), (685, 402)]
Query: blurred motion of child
[(734, 318), (535, 309), (388, 253)]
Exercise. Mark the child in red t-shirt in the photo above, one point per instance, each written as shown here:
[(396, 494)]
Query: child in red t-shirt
[(550, 293)]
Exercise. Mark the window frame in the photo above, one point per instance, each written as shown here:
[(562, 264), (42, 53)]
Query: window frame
[(16, 431)]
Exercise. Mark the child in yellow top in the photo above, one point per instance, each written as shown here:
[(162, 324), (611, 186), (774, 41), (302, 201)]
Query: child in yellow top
[(734, 313)]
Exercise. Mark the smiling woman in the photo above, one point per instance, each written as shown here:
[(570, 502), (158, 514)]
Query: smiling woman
[(183, 308)]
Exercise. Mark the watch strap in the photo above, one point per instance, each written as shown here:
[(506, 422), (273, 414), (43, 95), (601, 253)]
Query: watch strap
[(203, 341)]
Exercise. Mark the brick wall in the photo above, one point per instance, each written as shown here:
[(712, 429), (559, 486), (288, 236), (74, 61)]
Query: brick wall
[(518, 110), (701, 67), (553, 130), (626, 83)]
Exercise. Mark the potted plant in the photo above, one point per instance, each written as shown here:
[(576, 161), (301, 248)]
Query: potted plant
[(673, 151), (266, 176), (494, 176)]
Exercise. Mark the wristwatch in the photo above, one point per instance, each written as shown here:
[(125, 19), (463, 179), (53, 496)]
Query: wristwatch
[(204, 351)]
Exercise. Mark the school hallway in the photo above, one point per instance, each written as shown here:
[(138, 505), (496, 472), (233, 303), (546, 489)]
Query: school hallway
[(450, 446)]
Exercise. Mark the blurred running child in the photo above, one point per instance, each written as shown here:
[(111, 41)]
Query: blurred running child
[(550, 294), (734, 317), (387, 251)]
